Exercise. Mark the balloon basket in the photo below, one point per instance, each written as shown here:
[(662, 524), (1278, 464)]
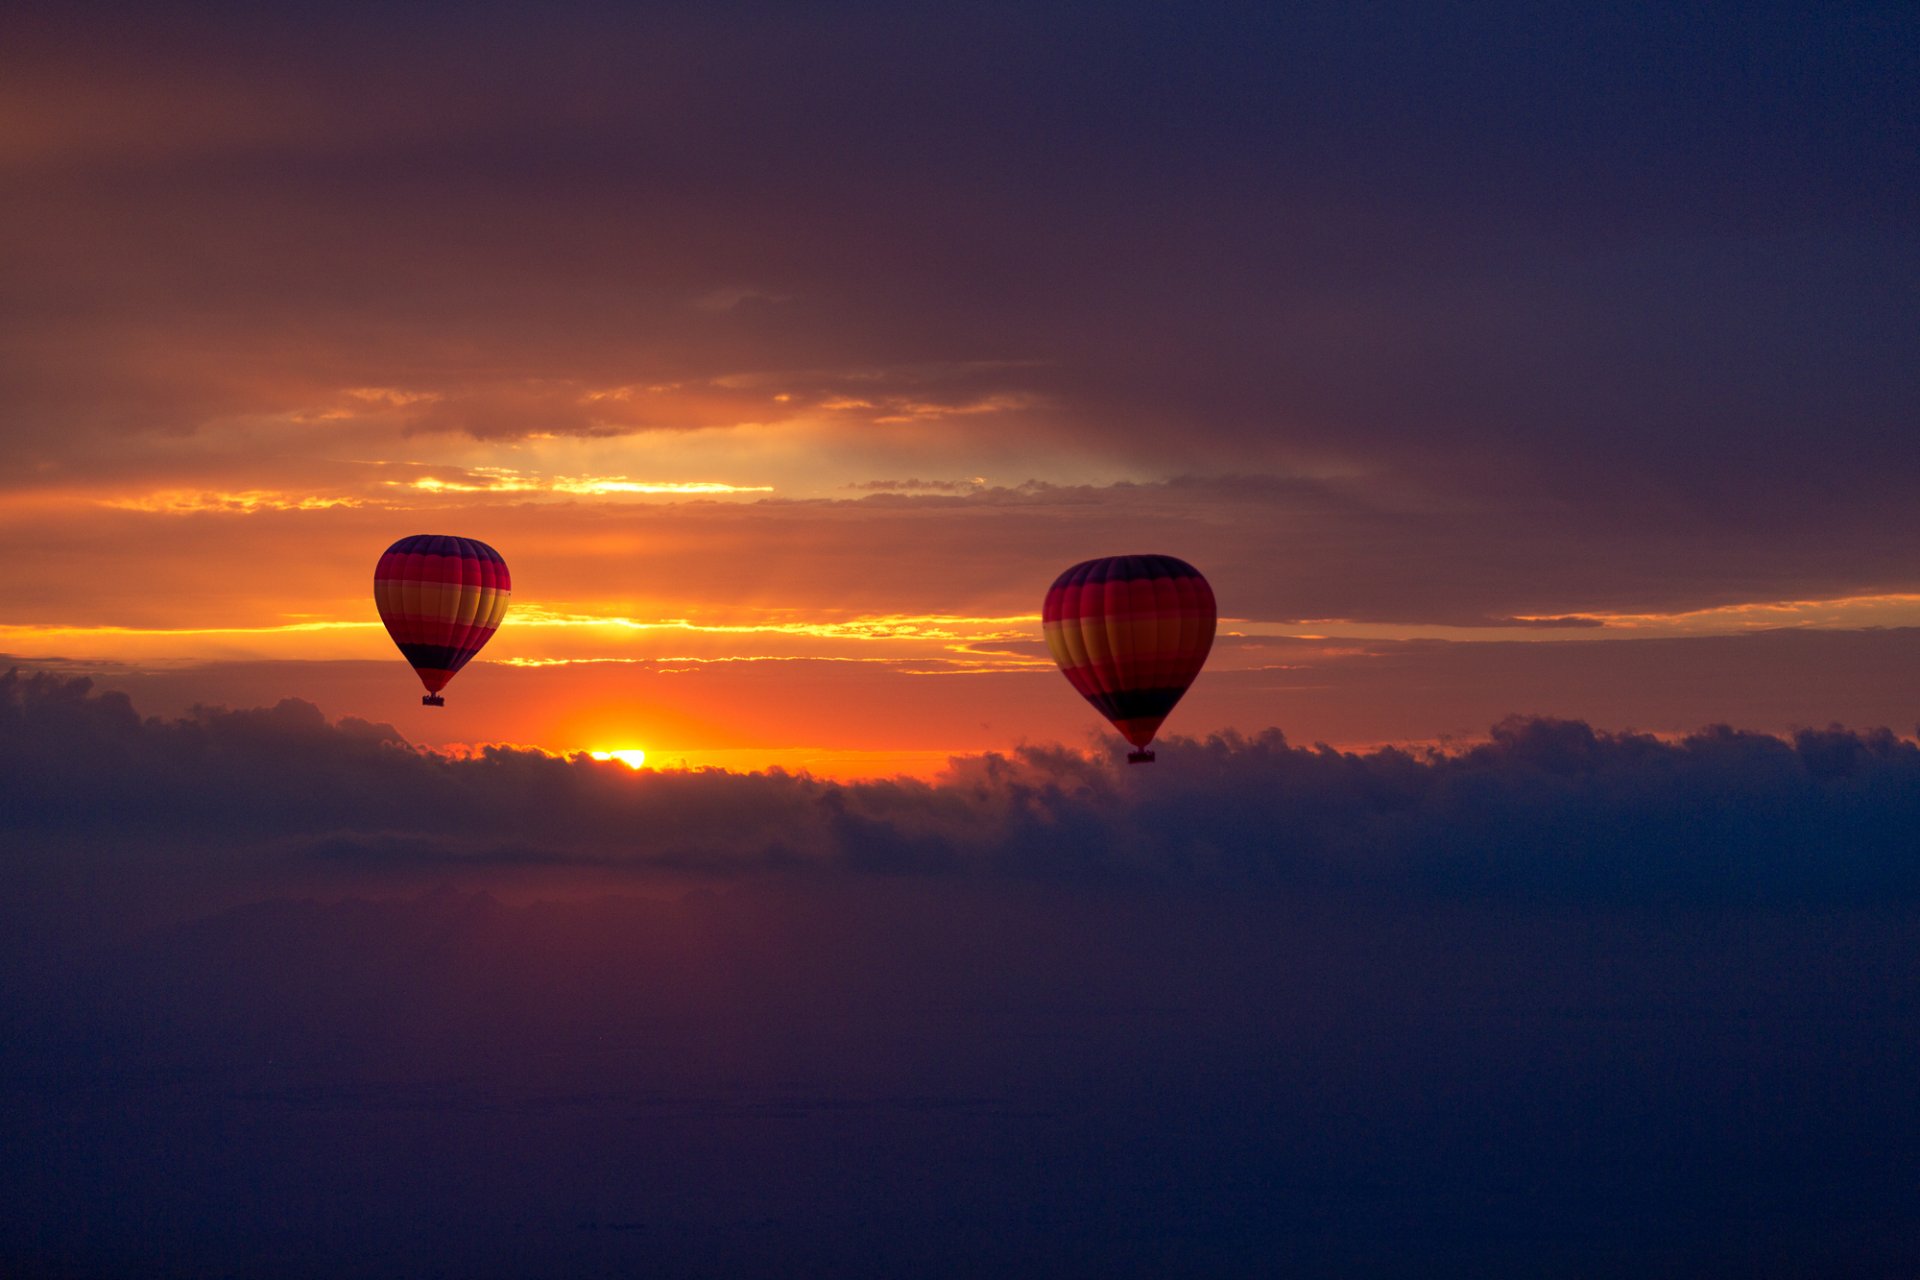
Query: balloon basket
[(433, 700), (1139, 757)]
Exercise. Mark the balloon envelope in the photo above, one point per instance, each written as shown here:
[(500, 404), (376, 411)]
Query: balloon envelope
[(1131, 633), (442, 599)]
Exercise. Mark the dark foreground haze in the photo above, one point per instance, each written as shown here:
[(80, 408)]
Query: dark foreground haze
[(280, 997)]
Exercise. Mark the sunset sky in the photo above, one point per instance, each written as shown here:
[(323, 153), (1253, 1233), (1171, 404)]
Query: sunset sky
[(1484, 364), (1527, 886)]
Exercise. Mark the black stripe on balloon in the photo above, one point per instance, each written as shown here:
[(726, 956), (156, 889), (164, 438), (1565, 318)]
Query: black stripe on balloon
[(1136, 704), (1125, 569), (436, 657), (1135, 568)]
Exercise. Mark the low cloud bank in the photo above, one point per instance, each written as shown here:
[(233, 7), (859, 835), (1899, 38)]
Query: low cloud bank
[(1544, 808), (1258, 1009)]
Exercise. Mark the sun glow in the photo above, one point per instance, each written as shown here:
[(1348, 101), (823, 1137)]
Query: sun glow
[(632, 757)]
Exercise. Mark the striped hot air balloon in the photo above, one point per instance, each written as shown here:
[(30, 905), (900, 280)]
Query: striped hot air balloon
[(1131, 633), (442, 598)]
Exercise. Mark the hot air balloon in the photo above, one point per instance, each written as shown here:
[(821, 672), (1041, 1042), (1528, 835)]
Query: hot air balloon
[(442, 598), (1130, 633)]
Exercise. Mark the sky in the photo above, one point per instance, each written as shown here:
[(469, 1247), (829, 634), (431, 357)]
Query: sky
[(767, 335), (1525, 887)]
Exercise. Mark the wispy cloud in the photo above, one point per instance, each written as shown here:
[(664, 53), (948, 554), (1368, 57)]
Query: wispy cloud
[(865, 627), (247, 502), (509, 480), (970, 485)]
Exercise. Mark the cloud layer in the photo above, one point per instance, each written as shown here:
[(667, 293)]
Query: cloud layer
[(1544, 808), (1254, 1009)]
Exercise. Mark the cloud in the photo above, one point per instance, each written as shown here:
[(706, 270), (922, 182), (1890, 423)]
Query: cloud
[(1381, 290), (1543, 808), (969, 485), (1560, 623), (1063, 1015)]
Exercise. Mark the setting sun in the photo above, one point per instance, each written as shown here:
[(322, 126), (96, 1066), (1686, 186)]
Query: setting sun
[(632, 757)]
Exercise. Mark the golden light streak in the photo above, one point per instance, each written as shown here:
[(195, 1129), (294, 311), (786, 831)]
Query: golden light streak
[(898, 409), (566, 662), (624, 485), (926, 410), (508, 480), (1011, 665), (537, 635), (395, 396), (55, 631), (684, 660), (523, 616), (1887, 609), (870, 627), (1762, 615), (534, 636), (490, 480), (246, 502)]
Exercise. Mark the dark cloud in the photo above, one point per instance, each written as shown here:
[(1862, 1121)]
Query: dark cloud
[(1636, 256), (1544, 808)]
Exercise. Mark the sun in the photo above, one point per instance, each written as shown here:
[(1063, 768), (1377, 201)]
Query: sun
[(632, 757)]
